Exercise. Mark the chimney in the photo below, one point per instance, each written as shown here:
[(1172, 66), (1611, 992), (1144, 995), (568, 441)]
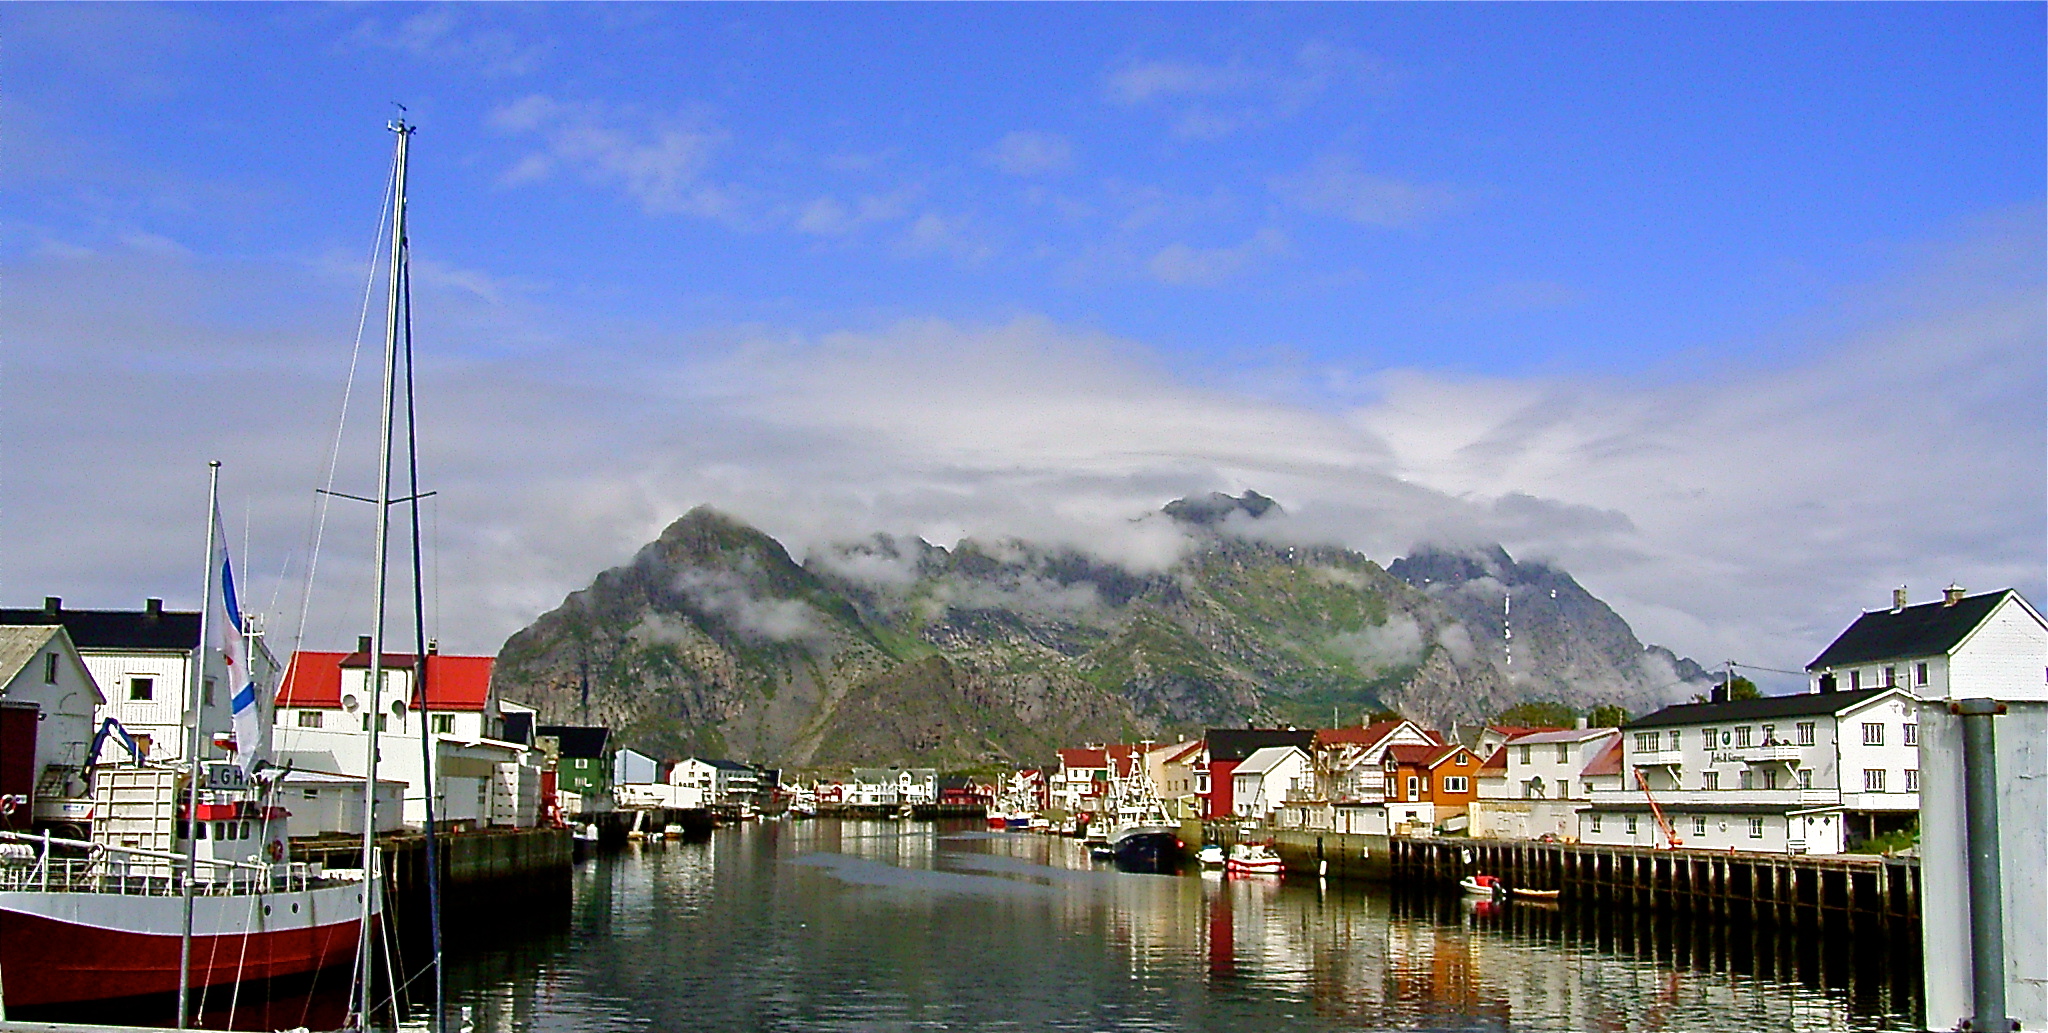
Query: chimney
[(1951, 595), (1582, 723), (152, 609), (1898, 598), (1718, 694), (363, 644), (52, 606), (433, 647)]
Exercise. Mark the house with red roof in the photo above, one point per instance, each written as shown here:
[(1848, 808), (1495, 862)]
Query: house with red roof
[(1535, 784), (326, 707), (1427, 785), (1349, 761)]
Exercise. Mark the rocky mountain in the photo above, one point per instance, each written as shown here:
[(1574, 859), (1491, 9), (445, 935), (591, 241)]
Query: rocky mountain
[(891, 650)]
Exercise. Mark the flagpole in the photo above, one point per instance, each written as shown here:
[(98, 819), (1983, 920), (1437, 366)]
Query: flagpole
[(195, 697)]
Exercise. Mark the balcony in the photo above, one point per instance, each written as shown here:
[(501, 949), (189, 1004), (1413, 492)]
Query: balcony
[(1658, 759), (1777, 753)]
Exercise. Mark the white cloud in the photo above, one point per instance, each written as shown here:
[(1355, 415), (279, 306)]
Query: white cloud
[(1183, 265), (1213, 100), (454, 35), (1742, 512), (659, 161), (1030, 154), (1336, 186)]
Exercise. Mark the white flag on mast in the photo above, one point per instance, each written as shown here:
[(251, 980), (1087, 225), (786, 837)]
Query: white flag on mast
[(245, 711)]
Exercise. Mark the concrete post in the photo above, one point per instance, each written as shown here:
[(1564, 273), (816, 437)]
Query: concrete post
[(1980, 832)]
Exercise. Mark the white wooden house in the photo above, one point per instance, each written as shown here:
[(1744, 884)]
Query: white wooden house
[(49, 697)]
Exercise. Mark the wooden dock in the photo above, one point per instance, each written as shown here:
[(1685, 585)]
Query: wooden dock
[(1797, 889)]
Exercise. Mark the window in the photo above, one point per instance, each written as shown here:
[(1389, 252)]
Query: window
[(1855, 680), (1873, 780), (206, 693), (1805, 779), (1646, 742), (1596, 823), (311, 718), (1744, 779), (382, 722), (1770, 780), (1891, 677), (1911, 734), (1414, 787), (1631, 824), (1525, 754), (1564, 788), (1873, 733), (1699, 824), (1742, 736), (49, 668), (1756, 828), (1805, 730), (1920, 673), (1710, 780), (1564, 752), (444, 723), (1674, 742), (141, 689), (1707, 740), (1456, 783), (1912, 780)]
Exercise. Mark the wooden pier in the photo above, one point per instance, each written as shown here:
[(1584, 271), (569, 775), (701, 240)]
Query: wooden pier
[(1798, 889)]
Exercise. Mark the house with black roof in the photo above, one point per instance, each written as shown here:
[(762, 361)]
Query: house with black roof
[(1993, 645), (1820, 771), (1223, 749), (582, 760), (142, 663)]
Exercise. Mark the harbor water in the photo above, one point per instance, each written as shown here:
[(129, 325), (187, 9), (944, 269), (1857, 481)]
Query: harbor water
[(856, 925)]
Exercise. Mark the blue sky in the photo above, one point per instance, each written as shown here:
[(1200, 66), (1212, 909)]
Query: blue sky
[(1413, 228)]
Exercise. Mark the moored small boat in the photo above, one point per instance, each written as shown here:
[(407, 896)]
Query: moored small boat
[(1481, 885), (1524, 893), (1254, 859), (1211, 856)]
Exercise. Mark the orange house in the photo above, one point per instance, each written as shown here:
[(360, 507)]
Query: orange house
[(1430, 783)]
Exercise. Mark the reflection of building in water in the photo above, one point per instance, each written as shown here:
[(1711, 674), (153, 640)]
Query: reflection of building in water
[(1374, 963)]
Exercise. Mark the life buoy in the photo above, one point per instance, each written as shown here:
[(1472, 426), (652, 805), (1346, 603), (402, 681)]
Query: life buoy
[(275, 850)]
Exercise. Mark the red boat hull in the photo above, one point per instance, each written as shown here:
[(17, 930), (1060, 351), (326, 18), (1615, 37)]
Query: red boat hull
[(49, 961)]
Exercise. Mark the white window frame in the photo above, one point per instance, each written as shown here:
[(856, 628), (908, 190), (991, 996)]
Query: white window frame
[(1911, 734), (1804, 733), (1756, 828), (1710, 781), (1873, 780), (1873, 733), (1457, 784)]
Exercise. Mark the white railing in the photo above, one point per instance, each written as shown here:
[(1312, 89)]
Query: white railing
[(100, 868)]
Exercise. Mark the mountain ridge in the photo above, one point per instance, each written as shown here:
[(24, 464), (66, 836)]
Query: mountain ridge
[(714, 639)]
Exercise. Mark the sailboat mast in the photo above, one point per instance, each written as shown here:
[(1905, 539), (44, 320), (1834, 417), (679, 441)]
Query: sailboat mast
[(195, 714), (375, 712)]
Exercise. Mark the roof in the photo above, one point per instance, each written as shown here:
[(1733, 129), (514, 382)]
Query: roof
[(19, 644), (1187, 750), (1364, 735), (725, 765), (1426, 756), (148, 628), (576, 740), (1606, 762), (1925, 629), (1707, 808), (1083, 758), (1264, 760), (1235, 744), (1797, 705), (1496, 764), (453, 682), (1562, 735), (1516, 731)]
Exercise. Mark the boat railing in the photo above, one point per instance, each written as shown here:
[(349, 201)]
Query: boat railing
[(56, 864)]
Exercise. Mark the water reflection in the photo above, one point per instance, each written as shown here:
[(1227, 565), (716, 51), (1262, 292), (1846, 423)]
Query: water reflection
[(885, 925)]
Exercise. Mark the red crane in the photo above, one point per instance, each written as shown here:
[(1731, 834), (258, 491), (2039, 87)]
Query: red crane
[(1670, 834)]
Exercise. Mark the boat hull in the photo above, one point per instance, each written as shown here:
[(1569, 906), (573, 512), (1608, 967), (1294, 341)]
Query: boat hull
[(1147, 850), (61, 948)]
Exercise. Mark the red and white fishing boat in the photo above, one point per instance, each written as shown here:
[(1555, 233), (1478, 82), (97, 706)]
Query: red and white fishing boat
[(1253, 859), (105, 918)]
